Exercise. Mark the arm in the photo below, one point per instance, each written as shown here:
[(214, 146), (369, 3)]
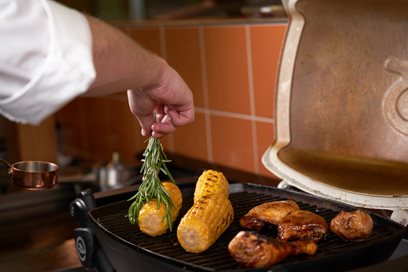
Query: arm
[(70, 54), (153, 86)]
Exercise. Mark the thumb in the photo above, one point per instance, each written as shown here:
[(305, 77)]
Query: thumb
[(146, 122)]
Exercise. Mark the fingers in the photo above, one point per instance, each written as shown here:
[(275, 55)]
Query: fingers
[(181, 118), (162, 122), (161, 129), (163, 108), (162, 126), (168, 122), (146, 123), (142, 107)]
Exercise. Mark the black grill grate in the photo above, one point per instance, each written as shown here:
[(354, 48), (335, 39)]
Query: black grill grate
[(243, 197)]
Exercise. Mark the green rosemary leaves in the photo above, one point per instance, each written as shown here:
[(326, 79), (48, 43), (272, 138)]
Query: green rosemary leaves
[(154, 162)]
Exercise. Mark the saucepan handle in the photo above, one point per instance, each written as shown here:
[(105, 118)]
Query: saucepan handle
[(6, 163)]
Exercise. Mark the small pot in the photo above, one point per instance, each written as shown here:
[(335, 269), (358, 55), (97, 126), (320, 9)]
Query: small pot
[(115, 174), (33, 175)]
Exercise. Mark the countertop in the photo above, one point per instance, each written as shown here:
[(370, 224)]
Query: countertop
[(42, 244)]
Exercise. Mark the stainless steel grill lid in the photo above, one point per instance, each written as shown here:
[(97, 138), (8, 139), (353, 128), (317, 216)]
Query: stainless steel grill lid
[(342, 102)]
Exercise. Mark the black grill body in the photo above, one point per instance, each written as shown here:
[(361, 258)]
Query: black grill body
[(128, 249)]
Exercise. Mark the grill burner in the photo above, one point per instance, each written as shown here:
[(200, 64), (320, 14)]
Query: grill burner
[(128, 249)]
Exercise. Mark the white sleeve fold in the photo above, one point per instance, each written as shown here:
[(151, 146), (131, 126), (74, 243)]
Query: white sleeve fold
[(45, 78)]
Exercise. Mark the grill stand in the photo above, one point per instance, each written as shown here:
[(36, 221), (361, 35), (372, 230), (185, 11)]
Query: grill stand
[(89, 251)]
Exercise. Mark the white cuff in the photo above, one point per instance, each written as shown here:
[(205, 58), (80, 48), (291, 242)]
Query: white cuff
[(67, 72)]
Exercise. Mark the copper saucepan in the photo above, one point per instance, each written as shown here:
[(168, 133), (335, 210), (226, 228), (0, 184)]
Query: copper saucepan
[(33, 175)]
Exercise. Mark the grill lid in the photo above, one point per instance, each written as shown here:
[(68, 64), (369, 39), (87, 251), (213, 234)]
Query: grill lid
[(342, 100)]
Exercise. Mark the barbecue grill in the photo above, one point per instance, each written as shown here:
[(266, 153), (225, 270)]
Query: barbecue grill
[(342, 129), (128, 249)]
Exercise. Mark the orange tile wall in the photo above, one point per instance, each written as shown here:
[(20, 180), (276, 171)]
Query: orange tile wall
[(232, 71)]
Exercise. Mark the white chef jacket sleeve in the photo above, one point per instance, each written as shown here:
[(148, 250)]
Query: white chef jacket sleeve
[(45, 58)]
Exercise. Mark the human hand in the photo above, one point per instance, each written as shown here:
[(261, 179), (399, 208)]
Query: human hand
[(157, 95), (162, 108)]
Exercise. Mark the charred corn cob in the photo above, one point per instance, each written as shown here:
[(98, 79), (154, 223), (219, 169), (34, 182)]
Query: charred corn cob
[(211, 182), (206, 220), (152, 217)]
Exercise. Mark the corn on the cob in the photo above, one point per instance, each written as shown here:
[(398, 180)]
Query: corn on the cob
[(152, 217), (206, 220), (211, 182)]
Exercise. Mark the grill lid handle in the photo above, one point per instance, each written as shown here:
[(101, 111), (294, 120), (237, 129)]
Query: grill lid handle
[(80, 207)]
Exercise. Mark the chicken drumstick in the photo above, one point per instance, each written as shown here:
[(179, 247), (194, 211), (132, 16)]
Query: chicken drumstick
[(250, 249)]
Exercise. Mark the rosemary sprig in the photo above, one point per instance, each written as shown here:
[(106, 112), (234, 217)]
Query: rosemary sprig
[(154, 162)]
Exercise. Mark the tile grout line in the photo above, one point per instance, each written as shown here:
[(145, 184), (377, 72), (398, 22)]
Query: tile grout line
[(268, 25), (251, 98), (162, 36), (208, 131), (163, 52), (235, 115)]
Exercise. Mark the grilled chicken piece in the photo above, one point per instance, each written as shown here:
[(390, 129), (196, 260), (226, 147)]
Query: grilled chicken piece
[(152, 217), (302, 224), (267, 214), (254, 250), (353, 225)]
